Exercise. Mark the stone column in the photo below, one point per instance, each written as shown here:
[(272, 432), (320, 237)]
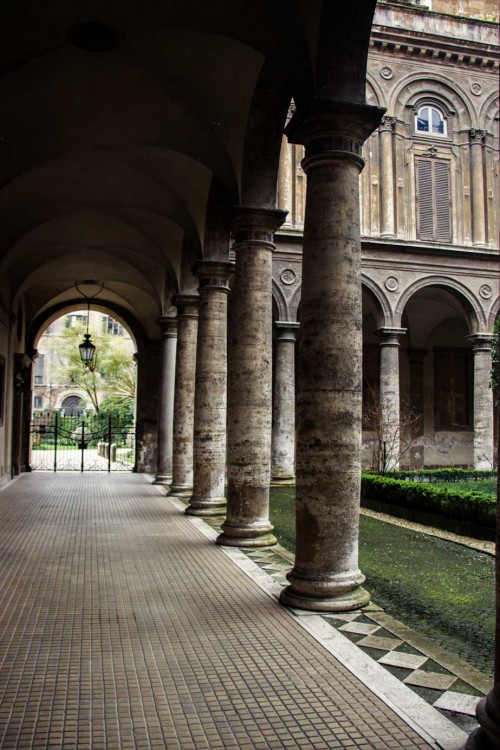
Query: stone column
[(185, 367), (483, 402), (168, 327), (148, 360), (326, 575), (487, 736), (387, 213), (477, 187), (389, 397), (283, 439), (209, 463), (250, 381)]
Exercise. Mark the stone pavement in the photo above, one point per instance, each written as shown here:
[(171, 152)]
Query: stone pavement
[(123, 626)]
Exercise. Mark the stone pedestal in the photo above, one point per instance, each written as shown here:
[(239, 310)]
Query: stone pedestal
[(185, 370), (211, 390), (283, 439), (250, 381), (483, 402), (387, 178), (328, 465), (168, 327), (389, 397), (477, 187)]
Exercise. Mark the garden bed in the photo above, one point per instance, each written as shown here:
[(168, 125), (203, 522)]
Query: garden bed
[(469, 513)]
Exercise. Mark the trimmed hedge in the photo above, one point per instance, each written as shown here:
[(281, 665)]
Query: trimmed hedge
[(466, 507), (442, 475)]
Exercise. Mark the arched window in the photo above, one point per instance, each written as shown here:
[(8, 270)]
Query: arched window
[(72, 406), (430, 120)]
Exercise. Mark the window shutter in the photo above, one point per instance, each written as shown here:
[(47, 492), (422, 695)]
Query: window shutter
[(425, 191), (442, 192), (433, 200)]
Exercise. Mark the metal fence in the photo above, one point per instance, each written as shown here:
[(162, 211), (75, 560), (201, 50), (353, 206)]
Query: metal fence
[(75, 443)]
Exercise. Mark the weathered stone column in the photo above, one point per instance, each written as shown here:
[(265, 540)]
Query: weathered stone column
[(283, 440), (185, 368), (389, 396), (387, 214), (328, 466), (211, 390), (487, 736), (477, 187), (168, 327), (250, 381), (148, 359), (483, 402)]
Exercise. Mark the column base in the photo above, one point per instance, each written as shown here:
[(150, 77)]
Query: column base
[(162, 479), (282, 478), (213, 507), (487, 736), (181, 490), (246, 536), (338, 593)]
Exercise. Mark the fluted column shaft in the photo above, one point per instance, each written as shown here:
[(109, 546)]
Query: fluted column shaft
[(326, 575), (185, 371), (209, 461), (168, 326), (483, 402), (477, 185), (389, 397), (283, 439), (250, 381), (387, 215)]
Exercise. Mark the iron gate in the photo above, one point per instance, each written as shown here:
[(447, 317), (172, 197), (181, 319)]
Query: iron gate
[(92, 443)]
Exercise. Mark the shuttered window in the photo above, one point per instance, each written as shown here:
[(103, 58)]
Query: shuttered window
[(433, 200)]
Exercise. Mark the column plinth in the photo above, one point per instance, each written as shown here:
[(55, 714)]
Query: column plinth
[(483, 402), (389, 396), (168, 327), (283, 439), (326, 575), (250, 381), (209, 460), (185, 369)]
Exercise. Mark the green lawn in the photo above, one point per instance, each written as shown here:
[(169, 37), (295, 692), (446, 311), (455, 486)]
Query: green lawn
[(438, 588), (488, 486)]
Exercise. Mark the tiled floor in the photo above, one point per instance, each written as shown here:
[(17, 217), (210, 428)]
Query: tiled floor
[(122, 626)]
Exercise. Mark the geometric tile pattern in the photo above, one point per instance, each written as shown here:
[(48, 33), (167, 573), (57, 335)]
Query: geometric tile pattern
[(124, 628), (412, 666)]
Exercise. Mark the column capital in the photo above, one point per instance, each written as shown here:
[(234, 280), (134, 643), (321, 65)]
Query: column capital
[(168, 326), (388, 124), (332, 130), (213, 275), (477, 136), (186, 304), (285, 330), (481, 342), (252, 223), (390, 336)]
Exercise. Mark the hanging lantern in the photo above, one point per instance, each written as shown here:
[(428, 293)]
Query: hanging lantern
[(87, 351)]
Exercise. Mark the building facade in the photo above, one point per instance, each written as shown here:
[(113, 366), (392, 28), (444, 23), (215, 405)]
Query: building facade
[(429, 228)]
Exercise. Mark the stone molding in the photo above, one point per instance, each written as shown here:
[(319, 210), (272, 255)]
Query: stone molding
[(481, 342), (213, 275), (168, 326), (388, 124), (186, 304), (390, 336), (332, 130), (285, 330), (253, 224), (477, 136)]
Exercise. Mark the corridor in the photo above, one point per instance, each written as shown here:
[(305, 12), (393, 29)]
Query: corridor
[(123, 626)]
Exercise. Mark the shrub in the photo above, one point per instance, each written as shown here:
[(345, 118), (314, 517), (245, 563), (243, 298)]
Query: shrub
[(466, 507), (442, 475)]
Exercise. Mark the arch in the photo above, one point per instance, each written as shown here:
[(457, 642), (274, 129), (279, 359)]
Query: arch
[(46, 317), (495, 310), (381, 302), (280, 300), (433, 89), (72, 402), (475, 317), (294, 303), (374, 94), (489, 113)]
